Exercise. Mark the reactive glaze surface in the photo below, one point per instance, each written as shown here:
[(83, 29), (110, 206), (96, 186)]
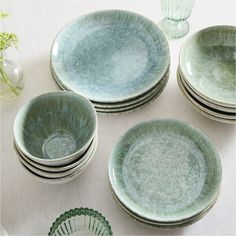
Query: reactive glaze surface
[(55, 128), (217, 116), (208, 63), (165, 170), (110, 56)]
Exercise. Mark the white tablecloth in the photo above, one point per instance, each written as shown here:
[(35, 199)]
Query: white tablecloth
[(29, 207)]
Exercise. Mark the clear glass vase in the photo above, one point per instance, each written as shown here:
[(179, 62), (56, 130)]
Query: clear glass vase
[(174, 25), (11, 76)]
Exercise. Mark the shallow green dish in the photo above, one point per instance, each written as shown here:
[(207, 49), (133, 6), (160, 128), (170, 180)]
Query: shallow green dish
[(81, 221), (207, 61), (110, 56), (54, 129), (165, 170)]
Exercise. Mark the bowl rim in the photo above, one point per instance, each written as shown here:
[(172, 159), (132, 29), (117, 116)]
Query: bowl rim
[(77, 212), (117, 11), (56, 161), (189, 40)]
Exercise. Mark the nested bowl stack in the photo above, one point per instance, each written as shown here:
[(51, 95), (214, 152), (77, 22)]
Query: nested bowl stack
[(165, 173), (206, 73), (55, 135), (119, 60)]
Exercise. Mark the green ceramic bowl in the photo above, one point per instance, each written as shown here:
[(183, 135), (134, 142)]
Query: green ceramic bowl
[(55, 128), (84, 160), (201, 108), (81, 221), (58, 169), (207, 61), (165, 171)]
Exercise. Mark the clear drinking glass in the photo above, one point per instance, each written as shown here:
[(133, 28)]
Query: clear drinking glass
[(174, 25)]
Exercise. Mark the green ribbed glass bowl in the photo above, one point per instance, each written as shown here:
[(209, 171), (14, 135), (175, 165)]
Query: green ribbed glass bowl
[(81, 221)]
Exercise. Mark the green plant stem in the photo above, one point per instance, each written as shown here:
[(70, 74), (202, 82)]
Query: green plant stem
[(6, 81)]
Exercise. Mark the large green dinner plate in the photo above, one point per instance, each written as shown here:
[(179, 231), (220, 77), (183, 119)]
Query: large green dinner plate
[(110, 56)]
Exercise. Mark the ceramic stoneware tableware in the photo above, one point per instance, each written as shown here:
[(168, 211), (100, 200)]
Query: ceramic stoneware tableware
[(84, 161), (81, 221), (55, 169), (202, 100), (203, 109), (55, 128), (165, 171), (117, 56), (207, 63)]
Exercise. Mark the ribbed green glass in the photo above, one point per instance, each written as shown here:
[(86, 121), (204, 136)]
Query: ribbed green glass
[(81, 221), (176, 12)]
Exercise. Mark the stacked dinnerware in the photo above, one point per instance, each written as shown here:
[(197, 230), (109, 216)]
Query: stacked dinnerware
[(165, 173), (119, 60), (55, 136), (207, 72)]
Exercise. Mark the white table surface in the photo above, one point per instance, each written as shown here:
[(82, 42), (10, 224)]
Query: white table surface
[(29, 207)]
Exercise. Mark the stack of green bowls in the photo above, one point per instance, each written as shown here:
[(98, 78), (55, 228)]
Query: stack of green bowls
[(206, 73), (55, 136)]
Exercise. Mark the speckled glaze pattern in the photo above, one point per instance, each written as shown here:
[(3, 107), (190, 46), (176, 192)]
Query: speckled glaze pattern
[(165, 170), (81, 221), (85, 159), (110, 56), (55, 128), (129, 103), (169, 225), (202, 100), (230, 119), (141, 104), (62, 179), (56, 169), (207, 61)]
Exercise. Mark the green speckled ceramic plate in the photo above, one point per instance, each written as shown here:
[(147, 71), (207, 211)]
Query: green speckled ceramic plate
[(165, 170), (169, 225), (110, 56), (208, 63), (132, 104), (201, 108)]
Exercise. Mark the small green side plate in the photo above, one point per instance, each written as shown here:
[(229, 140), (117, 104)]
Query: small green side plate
[(165, 170)]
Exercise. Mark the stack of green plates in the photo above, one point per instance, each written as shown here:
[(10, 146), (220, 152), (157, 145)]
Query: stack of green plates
[(207, 72), (119, 60), (165, 173)]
